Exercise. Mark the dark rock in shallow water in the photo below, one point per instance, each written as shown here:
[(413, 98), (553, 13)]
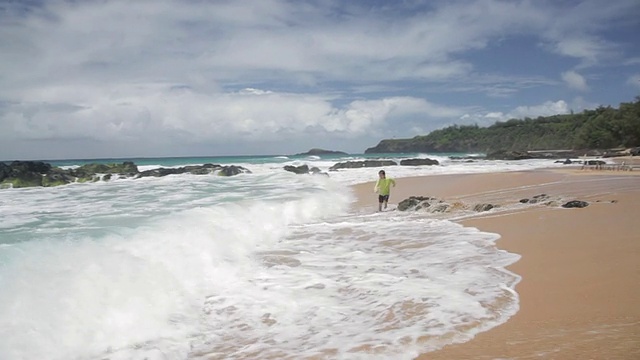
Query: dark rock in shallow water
[(201, 169), (418, 162), (302, 169), (316, 171), (57, 177), (483, 207), (30, 166), (205, 169), (161, 172), (535, 199), (232, 170), (509, 155), (5, 171), (434, 205), (28, 179), (23, 173), (575, 204), (36, 173), (566, 162), (361, 164), (416, 203), (126, 168)]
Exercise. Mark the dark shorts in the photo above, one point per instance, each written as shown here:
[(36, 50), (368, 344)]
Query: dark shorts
[(383, 198)]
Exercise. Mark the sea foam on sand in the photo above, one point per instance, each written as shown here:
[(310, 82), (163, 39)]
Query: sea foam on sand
[(579, 292)]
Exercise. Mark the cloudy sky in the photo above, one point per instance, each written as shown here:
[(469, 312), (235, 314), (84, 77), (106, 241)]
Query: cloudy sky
[(96, 79)]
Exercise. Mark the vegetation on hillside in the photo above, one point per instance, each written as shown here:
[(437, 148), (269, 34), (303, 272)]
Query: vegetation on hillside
[(602, 128)]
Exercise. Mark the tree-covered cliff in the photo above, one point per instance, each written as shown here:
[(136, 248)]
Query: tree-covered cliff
[(602, 128)]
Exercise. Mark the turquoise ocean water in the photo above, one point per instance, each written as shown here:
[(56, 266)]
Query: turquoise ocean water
[(266, 265)]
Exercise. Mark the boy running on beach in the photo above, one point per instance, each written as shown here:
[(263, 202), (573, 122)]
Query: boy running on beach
[(383, 188)]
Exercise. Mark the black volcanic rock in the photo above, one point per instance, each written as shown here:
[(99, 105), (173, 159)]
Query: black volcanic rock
[(302, 169), (361, 164), (575, 204), (20, 174), (418, 162), (509, 155)]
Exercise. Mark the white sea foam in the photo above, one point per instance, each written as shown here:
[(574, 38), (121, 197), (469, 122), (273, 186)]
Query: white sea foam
[(255, 265), (446, 166)]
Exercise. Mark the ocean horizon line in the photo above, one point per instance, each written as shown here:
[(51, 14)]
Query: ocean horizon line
[(146, 157), (228, 156)]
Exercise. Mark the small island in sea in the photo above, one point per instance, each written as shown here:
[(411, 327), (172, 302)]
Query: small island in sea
[(317, 151)]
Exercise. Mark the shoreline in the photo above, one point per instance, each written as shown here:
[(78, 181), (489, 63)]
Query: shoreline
[(579, 291)]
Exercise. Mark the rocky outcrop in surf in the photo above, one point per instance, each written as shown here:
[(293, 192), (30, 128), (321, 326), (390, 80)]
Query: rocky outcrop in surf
[(304, 169), (18, 174), (419, 162), (382, 163), (362, 164)]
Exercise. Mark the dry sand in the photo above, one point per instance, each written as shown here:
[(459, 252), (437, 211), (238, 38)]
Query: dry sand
[(580, 268)]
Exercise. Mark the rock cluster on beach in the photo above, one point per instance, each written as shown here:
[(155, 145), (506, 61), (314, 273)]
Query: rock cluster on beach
[(435, 205)]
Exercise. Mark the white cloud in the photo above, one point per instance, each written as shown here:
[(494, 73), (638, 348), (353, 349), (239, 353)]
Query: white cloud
[(139, 111), (167, 113), (255, 41), (576, 31), (579, 104), (634, 80), (495, 116), (583, 47), (173, 72), (632, 61), (157, 41), (548, 108), (575, 80)]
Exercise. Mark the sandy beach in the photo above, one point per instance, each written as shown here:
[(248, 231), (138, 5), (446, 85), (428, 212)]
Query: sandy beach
[(580, 267)]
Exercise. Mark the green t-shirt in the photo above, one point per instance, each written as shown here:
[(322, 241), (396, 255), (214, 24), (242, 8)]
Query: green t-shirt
[(383, 185)]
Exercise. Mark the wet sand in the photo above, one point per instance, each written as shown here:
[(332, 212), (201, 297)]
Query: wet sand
[(580, 267)]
